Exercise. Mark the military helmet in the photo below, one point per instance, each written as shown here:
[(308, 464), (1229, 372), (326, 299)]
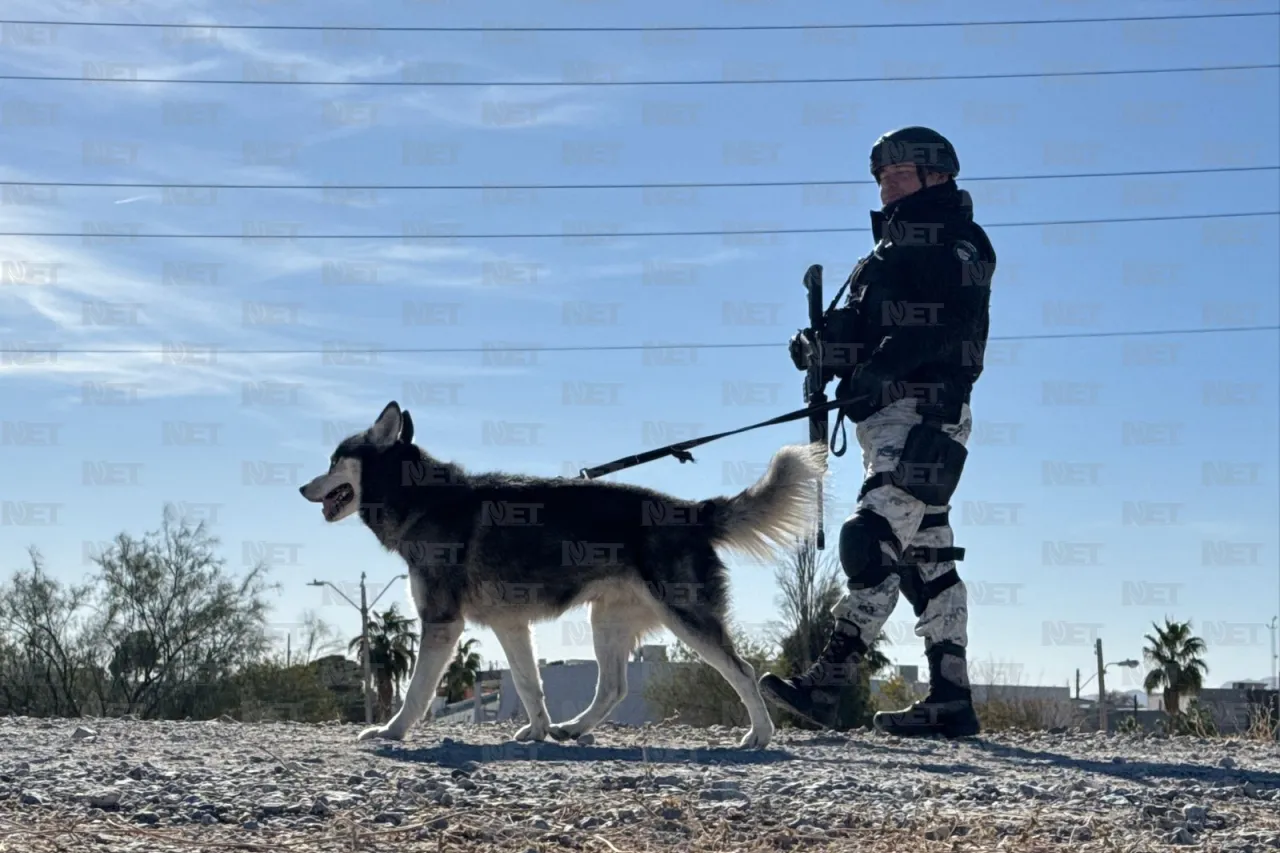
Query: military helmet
[(929, 150)]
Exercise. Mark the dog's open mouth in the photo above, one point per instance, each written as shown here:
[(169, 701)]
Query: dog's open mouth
[(336, 501)]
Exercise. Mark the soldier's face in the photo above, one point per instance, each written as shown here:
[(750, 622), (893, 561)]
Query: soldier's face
[(898, 181)]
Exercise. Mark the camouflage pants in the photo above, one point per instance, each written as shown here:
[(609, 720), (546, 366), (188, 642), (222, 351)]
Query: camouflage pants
[(943, 618)]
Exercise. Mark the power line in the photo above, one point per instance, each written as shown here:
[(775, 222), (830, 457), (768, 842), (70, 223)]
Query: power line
[(650, 29), (1013, 75), (616, 234), (623, 347), (656, 185)]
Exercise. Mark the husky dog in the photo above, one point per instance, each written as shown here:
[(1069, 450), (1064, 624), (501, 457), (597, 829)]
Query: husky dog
[(506, 551)]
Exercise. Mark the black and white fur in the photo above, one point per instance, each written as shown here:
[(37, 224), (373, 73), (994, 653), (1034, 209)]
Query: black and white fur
[(506, 551)]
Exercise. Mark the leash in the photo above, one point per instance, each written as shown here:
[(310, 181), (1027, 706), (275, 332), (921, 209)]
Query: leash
[(680, 450)]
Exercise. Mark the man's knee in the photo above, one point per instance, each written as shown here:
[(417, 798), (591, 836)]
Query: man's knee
[(861, 553), (929, 466)]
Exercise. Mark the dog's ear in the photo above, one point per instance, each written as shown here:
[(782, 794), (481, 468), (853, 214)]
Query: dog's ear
[(386, 429), (406, 428)]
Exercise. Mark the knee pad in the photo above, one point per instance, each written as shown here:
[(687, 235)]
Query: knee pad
[(915, 588), (929, 466), (861, 556)]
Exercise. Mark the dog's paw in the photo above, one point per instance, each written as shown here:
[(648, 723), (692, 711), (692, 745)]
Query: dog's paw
[(529, 733), (564, 732), (381, 733), (755, 739)]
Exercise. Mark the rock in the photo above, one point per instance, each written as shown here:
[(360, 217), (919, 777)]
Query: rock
[(336, 799), (1194, 815), (721, 794), (107, 799), (1081, 834), (1228, 762)]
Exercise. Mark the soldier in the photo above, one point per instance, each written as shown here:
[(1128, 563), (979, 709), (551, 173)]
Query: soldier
[(907, 346)]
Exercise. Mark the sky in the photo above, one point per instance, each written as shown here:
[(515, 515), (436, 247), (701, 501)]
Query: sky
[(1113, 480)]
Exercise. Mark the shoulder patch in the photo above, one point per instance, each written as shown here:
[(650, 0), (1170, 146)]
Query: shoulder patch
[(964, 250)]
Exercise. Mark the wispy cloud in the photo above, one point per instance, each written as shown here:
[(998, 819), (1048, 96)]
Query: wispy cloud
[(112, 293)]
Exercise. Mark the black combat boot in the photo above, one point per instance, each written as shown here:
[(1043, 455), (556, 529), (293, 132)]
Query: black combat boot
[(815, 694), (947, 710)]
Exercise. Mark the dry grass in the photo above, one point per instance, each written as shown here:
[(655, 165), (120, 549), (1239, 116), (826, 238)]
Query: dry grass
[(1000, 708), (1263, 725), (45, 832)]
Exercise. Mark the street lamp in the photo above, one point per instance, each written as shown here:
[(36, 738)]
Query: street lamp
[(1102, 682), (363, 607), (1130, 664)]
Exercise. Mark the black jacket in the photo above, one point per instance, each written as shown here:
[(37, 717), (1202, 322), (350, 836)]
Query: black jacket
[(915, 319)]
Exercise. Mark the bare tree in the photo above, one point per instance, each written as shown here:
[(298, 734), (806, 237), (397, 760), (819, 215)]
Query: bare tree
[(809, 587), (173, 622), (45, 663), (317, 639)]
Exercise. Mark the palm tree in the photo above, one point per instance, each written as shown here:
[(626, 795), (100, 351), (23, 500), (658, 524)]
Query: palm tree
[(1177, 657), (462, 672), (391, 653)]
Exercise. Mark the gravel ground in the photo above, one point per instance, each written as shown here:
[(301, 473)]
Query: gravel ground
[(127, 785)]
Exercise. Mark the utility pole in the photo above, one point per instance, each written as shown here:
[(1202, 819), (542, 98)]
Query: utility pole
[(1102, 688), (364, 653), (1274, 627), (1077, 682), (364, 635)]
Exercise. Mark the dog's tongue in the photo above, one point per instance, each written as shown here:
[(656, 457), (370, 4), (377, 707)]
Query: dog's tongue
[(330, 506)]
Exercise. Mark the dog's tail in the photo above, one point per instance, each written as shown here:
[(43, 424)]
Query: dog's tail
[(780, 507)]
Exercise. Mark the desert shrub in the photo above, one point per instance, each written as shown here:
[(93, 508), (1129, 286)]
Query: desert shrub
[(1195, 720), (895, 694), (1001, 705), (1000, 713), (1264, 724), (692, 689), (1128, 724), (264, 692)]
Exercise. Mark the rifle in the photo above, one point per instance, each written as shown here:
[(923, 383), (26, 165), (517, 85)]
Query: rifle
[(814, 388)]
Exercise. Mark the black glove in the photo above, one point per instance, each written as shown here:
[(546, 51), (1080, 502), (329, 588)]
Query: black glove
[(864, 390), (799, 346)]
